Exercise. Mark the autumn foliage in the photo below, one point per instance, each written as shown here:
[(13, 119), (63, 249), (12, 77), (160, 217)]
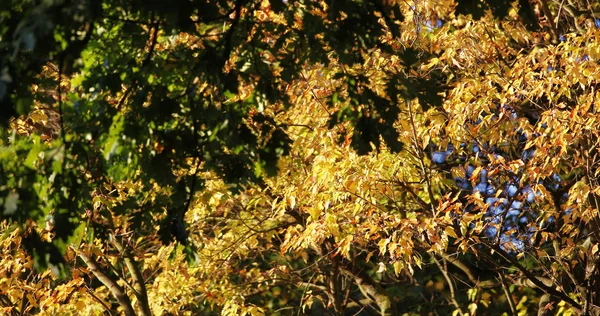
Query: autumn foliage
[(300, 157)]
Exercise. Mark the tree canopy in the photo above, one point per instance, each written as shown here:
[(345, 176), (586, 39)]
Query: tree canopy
[(245, 157)]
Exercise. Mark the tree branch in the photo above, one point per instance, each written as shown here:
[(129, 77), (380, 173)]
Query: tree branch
[(97, 299), (450, 285), (110, 283), (370, 289), (511, 304), (534, 280), (136, 276), (550, 19), (488, 284)]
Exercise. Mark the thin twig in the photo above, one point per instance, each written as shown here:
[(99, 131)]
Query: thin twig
[(511, 304), (450, 284), (421, 156)]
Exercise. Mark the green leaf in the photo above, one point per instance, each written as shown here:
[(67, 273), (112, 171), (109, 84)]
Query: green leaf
[(33, 156)]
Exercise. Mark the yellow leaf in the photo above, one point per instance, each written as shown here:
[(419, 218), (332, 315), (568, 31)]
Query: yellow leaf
[(398, 266), (80, 305), (475, 174), (473, 308), (32, 300), (344, 246), (520, 255), (382, 268), (383, 245), (39, 116), (314, 212), (450, 231), (417, 261)]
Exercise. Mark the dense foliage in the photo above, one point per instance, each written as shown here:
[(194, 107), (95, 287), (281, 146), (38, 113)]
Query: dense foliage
[(299, 157)]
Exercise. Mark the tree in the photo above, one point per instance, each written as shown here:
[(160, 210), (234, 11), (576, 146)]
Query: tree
[(341, 157)]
